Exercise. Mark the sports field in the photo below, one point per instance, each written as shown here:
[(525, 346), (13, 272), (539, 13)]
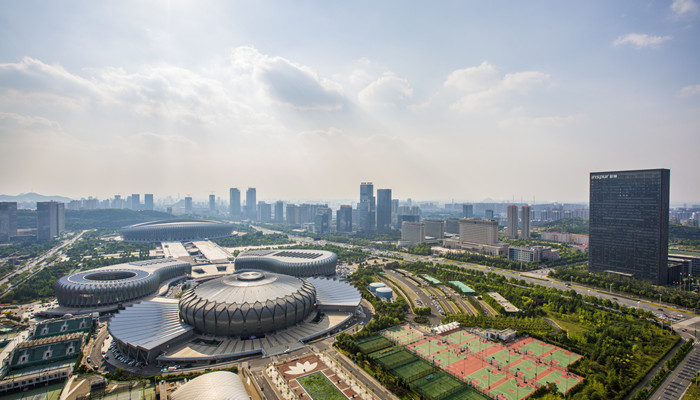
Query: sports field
[(320, 388), (403, 334), (505, 371)]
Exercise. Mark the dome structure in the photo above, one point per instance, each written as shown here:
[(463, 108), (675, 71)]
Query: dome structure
[(217, 385), (117, 284), (247, 304), (176, 230), (289, 262)]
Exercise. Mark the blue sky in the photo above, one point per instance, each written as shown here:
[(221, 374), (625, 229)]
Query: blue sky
[(305, 100)]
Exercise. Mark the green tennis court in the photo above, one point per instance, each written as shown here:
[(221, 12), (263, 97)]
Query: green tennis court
[(536, 348), (414, 370), (562, 357), (511, 390), (448, 357), (485, 376), (527, 368), (563, 382), (429, 347)]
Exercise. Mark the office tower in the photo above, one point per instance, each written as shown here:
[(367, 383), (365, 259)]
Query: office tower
[(488, 214), (322, 220), (467, 211), (412, 233), (343, 219), (512, 228), (264, 211), (367, 207), (481, 231), (188, 205), (50, 221), (304, 214), (8, 220), (234, 202), (117, 202), (628, 231), (212, 203), (148, 202), (434, 228), (525, 217), (136, 201), (279, 211), (383, 210), (250, 203)]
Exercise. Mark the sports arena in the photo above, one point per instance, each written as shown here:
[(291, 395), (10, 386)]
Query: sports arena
[(289, 262), (176, 230), (117, 284)]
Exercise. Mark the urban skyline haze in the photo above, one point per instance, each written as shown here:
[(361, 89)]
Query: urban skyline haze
[(441, 100)]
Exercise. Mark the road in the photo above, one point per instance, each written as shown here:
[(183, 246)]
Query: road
[(37, 261), (678, 381)]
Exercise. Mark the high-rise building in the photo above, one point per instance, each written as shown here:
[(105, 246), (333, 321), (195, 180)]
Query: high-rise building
[(488, 214), (234, 202), (322, 220), (212, 203), (412, 233), (279, 211), (343, 219), (264, 212), (628, 231), (188, 205), (479, 231), (292, 214), (383, 210), (148, 202), (467, 211), (8, 220), (452, 226), (512, 228), (50, 221), (367, 207), (434, 228), (250, 204), (135, 201), (525, 214)]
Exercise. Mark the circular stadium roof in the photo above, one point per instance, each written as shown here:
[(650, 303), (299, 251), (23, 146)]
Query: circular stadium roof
[(248, 304), (289, 261), (175, 230), (117, 283)]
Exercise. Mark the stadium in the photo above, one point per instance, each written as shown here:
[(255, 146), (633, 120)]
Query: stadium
[(246, 313), (175, 230), (298, 263), (117, 284), (248, 304)]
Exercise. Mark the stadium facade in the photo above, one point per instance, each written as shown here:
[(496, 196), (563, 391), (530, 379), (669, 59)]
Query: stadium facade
[(176, 230), (300, 263), (117, 284)]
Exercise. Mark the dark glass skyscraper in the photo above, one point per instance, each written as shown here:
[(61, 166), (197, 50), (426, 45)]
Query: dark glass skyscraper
[(343, 219), (629, 223), (234, 202), (367, 207), (251, 204), (383, 210)]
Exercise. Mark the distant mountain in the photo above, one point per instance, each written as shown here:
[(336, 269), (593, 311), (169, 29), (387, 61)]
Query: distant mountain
[(33, 198)]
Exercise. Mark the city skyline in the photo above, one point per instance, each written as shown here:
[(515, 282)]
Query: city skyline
[(516, 101)]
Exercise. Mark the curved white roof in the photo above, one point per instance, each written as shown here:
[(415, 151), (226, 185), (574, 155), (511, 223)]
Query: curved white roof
[(148, 324), (217, 385), (332, 292)]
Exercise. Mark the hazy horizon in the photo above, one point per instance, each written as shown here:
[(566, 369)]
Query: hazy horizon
[(443, 100)]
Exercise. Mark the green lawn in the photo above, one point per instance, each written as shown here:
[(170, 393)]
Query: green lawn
[(320, 388)]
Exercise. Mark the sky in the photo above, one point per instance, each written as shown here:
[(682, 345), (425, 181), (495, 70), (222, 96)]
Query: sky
[(463, 100)]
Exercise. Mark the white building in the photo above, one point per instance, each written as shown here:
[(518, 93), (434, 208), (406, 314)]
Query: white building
[(412, 233)]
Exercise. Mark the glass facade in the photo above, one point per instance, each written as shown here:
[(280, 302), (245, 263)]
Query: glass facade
[(629, 223)]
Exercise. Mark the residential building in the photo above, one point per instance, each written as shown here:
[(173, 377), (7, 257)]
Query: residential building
[(212, 203), (512, 227), (279, 211), (188, 205), (322, 220), (629, 213), (148, 201), (525, 214), (264, 212)]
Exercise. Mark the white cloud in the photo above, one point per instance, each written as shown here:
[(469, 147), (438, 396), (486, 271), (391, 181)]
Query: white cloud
[(485, 88), (690, 90), (640, 40), (681, 7), (386, 91)]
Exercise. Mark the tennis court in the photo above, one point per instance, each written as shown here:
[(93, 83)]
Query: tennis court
[(447, 357), (414, 370), (511, 390), (562, 357), (438, 385), (564, 380), (536, 348), (485, 376), (527, 368), (428, 347)]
